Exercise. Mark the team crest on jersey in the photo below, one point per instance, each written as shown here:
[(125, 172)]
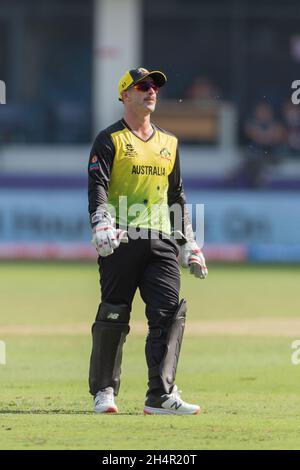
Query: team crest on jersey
[(164, 153), (130, 151)]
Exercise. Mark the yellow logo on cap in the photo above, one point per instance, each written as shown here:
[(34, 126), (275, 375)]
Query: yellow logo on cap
[(124, 83)]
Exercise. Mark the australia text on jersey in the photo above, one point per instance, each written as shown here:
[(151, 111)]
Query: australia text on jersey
[(148, 170)]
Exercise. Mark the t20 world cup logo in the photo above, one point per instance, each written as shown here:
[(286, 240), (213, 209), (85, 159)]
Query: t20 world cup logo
[(2, 92)]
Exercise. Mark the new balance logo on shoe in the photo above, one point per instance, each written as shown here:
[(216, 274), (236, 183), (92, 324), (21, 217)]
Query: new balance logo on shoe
[(176, 405), (170, 403), (113, 316)]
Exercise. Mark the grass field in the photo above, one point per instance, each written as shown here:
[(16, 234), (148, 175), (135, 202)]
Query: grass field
[(235, 362)]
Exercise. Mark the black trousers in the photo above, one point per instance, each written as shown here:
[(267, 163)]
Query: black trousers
[(152, 266)]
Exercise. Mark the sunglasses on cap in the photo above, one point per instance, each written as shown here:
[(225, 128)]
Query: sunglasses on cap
[(145, 86)]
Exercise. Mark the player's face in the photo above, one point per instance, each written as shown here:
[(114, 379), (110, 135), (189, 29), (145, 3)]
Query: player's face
[(143, 95)]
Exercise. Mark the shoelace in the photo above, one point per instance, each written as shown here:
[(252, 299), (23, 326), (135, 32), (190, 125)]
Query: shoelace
[(176, 394)]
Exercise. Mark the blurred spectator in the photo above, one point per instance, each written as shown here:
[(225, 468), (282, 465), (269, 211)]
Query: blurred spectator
[(202, 89), (263, 130), (291, 115), (266, 136)]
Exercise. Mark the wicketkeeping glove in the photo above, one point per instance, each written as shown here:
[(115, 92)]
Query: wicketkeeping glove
[(191, 256), (106, 238)]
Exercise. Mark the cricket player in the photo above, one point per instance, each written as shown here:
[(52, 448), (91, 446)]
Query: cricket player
[(134, 184)]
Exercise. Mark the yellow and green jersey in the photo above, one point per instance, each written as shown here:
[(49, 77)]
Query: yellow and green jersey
[(139, 179)]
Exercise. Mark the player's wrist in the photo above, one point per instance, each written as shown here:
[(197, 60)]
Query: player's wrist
[(192, 246), (101, 218)]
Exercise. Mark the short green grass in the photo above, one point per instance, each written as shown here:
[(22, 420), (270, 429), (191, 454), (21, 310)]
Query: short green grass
[(247, 386), (45, 294)]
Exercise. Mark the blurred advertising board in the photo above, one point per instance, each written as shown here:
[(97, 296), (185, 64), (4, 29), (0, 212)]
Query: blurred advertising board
[(238, 225)]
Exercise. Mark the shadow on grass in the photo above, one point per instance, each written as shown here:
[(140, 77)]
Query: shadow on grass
[(64, 412)]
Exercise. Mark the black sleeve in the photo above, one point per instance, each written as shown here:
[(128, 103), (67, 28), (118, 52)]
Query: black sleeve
[(176, 196), (99, 171)]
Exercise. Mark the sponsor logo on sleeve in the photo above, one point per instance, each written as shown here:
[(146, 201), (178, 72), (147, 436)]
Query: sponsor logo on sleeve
[(94, 163)]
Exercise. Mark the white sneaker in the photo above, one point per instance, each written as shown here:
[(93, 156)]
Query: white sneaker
[(170, 404), (105, 401)]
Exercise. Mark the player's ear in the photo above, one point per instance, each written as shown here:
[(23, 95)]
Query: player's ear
[(126, 96)]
